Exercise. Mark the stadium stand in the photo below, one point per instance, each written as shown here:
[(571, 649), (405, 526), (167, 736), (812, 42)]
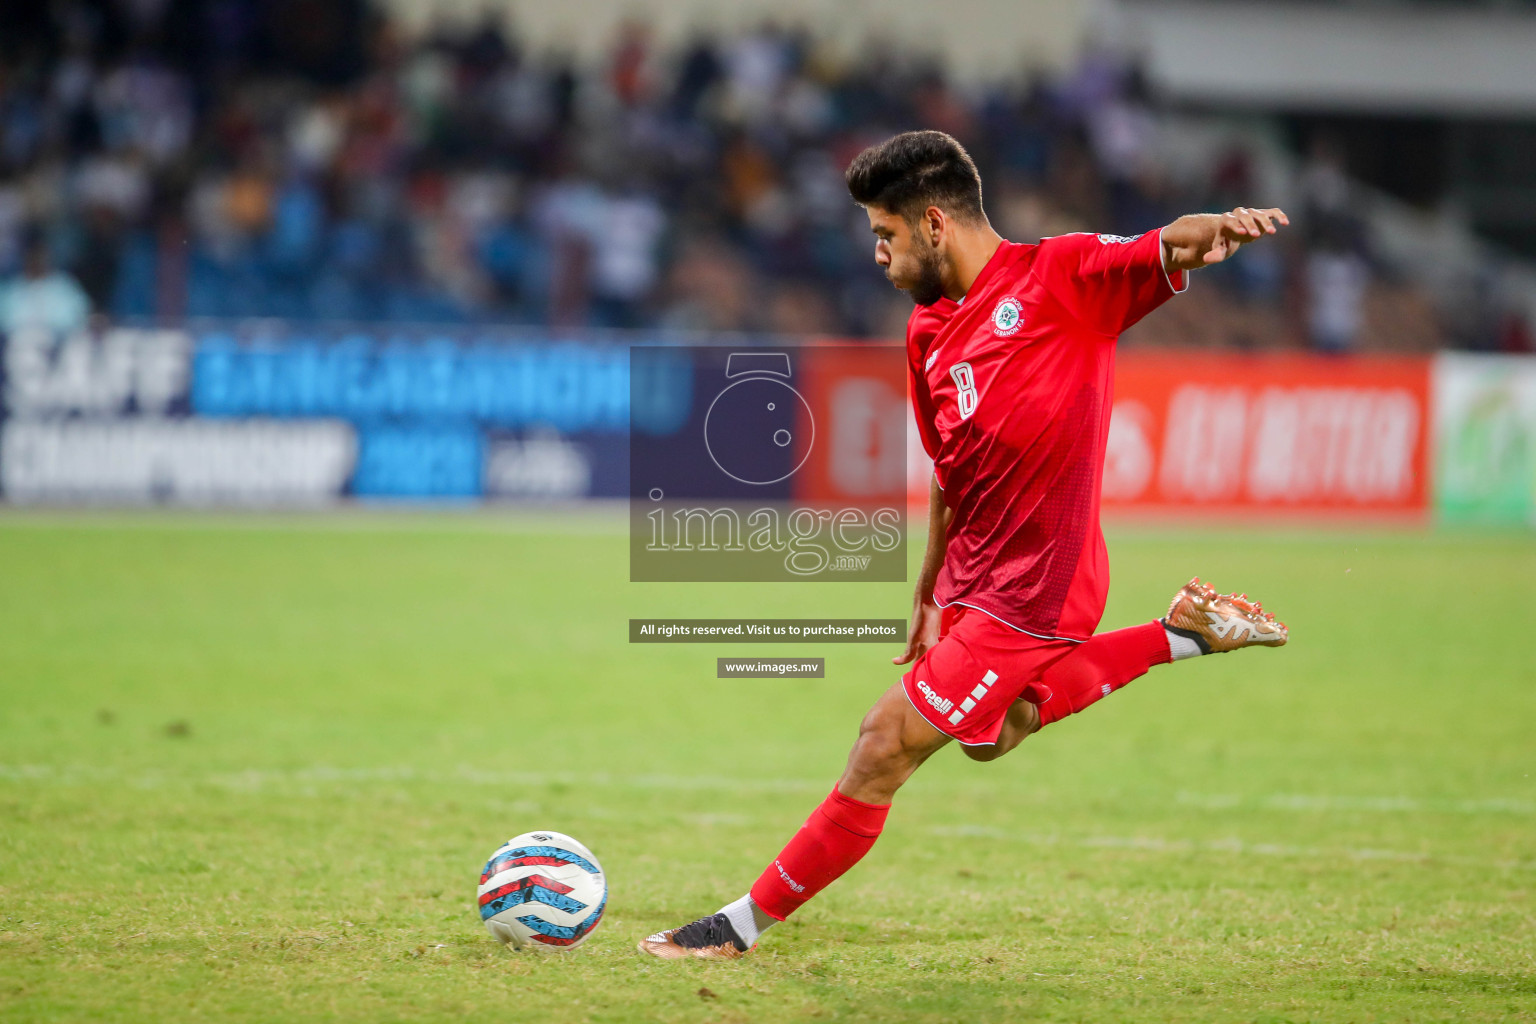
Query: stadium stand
[(200, 161)]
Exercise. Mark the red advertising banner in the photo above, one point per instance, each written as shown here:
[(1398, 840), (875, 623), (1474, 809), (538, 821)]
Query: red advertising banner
[(855, 402), (1200, 434)]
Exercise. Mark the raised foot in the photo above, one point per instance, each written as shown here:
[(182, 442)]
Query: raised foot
[(1222, 622), (708, 938)]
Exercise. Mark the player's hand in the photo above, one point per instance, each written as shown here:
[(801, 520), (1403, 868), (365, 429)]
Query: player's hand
[(1241, 226), (923, 633)]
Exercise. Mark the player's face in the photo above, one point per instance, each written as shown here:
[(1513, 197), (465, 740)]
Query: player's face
[(910, 262)]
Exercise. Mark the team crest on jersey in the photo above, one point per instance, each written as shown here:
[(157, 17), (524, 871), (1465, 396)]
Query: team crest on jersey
[(1118, 239), (1007, 318)]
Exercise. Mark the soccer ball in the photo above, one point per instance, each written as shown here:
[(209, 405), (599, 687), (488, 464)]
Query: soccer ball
[(542, 889)]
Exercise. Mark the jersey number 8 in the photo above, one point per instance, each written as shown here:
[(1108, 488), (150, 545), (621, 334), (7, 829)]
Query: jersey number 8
[(965, 388)]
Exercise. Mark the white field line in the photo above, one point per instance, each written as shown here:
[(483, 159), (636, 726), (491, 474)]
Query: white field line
[(257, 779), (1343, 803), (254, 780), (1156, 844)]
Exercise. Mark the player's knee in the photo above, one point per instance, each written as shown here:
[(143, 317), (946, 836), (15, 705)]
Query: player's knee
[(1020, 723), (1023, 719), (879, 749), (989, 752), (880, 756)]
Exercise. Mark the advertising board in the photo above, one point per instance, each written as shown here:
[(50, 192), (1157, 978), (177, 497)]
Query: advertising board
[(1485, 438), (270, 413), (1201, 434)]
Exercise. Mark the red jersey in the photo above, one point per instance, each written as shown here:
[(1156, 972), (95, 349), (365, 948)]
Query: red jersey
[(1012, 388)]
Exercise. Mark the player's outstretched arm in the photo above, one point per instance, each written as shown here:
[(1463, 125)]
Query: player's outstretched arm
[(1201, 239)]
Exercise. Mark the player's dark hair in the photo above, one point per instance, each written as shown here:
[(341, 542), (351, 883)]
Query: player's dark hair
[(910, 172)]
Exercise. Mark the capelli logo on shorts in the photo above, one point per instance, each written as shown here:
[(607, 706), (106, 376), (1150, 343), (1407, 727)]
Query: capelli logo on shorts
[(940, 704)]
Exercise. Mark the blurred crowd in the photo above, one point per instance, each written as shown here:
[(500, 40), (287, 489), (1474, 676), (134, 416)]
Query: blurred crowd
[(305, 159)]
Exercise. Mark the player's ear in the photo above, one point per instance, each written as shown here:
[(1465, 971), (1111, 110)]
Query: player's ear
[(934, 224)]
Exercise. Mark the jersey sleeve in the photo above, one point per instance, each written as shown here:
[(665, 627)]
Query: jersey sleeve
[(1109, 281), (923, 409)]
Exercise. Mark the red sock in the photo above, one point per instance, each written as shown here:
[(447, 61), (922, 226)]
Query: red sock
[(832, 840), (1100, 666)]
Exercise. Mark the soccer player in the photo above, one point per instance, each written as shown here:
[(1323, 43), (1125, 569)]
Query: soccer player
[(1011, 352)]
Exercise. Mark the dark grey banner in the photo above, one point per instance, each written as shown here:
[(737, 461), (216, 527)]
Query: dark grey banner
[(767, 631), (770, 668), (756, 464)]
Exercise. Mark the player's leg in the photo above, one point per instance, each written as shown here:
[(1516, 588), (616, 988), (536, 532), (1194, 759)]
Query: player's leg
[(1199, 621), (1098, 667), (1088, 672), (1023, 718), (893, 741)]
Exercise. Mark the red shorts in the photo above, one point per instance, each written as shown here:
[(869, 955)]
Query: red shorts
[(964, 684)]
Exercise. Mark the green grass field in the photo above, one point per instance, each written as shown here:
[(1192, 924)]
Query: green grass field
[(251, 767)]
